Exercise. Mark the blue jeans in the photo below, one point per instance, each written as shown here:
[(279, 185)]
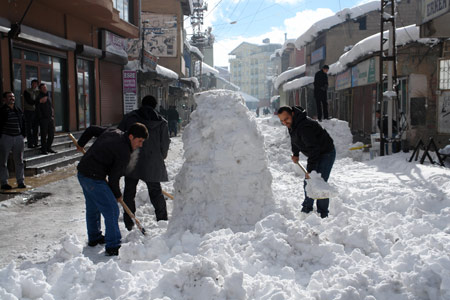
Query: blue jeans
[(324, 168), (101, 200)]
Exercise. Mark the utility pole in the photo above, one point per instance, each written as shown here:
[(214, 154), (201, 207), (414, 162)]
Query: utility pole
[(388, 16), (143, 39)]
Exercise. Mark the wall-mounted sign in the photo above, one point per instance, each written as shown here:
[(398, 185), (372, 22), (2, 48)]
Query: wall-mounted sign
[(365, 72), (433, 8), (160, 34), (318, 55), (114, 44), (343, 80), (129, 90), (150, 60)]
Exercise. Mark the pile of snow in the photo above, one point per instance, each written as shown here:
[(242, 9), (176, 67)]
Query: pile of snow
[(404, 35), (289, 74), (298, 83), (340, 17), (387, 236), (224, 181), (445, 150)]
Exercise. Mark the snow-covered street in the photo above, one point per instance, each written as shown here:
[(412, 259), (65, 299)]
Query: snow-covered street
[(387, 235)]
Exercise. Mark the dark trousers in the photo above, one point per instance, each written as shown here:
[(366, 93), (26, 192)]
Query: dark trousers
[(32, 126), (47, 133), (324, 169), (322, 105), (173, 124), (156, 198)]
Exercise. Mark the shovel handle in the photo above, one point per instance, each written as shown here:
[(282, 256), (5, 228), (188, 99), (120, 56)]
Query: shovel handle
[(303, 169), (128, 211), (74, 140), (167, 194)]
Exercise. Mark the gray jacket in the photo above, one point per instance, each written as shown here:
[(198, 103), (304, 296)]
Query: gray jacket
[(150, 166)]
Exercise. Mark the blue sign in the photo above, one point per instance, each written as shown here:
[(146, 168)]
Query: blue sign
[(318, 55)]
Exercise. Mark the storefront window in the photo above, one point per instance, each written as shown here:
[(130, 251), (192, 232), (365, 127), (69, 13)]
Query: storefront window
[(29, 65), (18, 83), (29, 55), (444, 74)]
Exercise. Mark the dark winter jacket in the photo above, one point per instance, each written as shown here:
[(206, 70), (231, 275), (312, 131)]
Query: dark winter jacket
[(44, 110), (172, 114), (4, 109), (108, 156), (30, 96), (308, 137), (320, 82), (150, 166), (385, 126)]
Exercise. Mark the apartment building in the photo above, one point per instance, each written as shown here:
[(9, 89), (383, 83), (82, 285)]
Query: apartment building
[(250, 67)]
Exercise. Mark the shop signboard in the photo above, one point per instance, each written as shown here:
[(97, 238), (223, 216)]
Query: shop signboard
[(129, 91), (365, 72), (318, 55), (160, 36), (114, 44), (150, 60), (432, 9), (344, 80)]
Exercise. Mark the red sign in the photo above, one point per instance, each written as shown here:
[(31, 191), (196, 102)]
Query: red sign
[(150, 60)]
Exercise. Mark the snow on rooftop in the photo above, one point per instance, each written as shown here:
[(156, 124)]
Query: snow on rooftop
[(404, 35), (160, 70), (289, 74), (194, 49), (232, 85), (338, 18), (247, 97), (207, 69), (298, 83), (275, 54), (193, 80)]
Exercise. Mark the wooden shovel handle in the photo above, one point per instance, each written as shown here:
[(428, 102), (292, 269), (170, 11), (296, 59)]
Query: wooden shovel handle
[(128, 211)]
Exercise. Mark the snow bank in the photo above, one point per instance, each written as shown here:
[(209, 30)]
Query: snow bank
[(289, 74), (387, 237), (224, 181), (340, 17)]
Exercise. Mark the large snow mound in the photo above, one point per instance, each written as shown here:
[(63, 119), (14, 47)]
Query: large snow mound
[(224, 181)]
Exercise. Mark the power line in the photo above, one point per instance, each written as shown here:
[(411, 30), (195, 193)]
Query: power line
[(257, 11)]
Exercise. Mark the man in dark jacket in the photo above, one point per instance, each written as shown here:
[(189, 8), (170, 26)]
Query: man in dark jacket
[(320, 92), (31, 120), (308, 137), (150, 166), (108, 156), (173, 117), (46, 122), (12, 133)]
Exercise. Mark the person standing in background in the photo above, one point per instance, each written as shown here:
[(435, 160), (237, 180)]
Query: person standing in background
[(320, 92), (150, 166), (173, 117), (31, 121), (46, 119), (12, 133)]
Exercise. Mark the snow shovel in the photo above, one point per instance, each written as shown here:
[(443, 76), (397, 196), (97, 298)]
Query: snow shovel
[(120, 200), (317, 187)]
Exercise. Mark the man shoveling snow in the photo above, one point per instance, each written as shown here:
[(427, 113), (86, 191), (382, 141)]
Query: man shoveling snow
[(308, 137)]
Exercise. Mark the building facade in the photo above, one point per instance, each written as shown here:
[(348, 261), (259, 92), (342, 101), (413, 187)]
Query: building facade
[(250, 68), (76, 49)]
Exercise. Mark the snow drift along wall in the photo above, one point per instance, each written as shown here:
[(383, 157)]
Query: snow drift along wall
[(224, 181)]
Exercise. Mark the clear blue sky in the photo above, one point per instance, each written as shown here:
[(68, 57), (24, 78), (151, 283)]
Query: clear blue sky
[(255, 20)]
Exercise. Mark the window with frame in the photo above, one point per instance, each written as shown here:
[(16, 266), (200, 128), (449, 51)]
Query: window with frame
[(444, 74), (123, 7)]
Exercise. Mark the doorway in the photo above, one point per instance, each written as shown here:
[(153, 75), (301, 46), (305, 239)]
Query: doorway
[(85, 93)]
